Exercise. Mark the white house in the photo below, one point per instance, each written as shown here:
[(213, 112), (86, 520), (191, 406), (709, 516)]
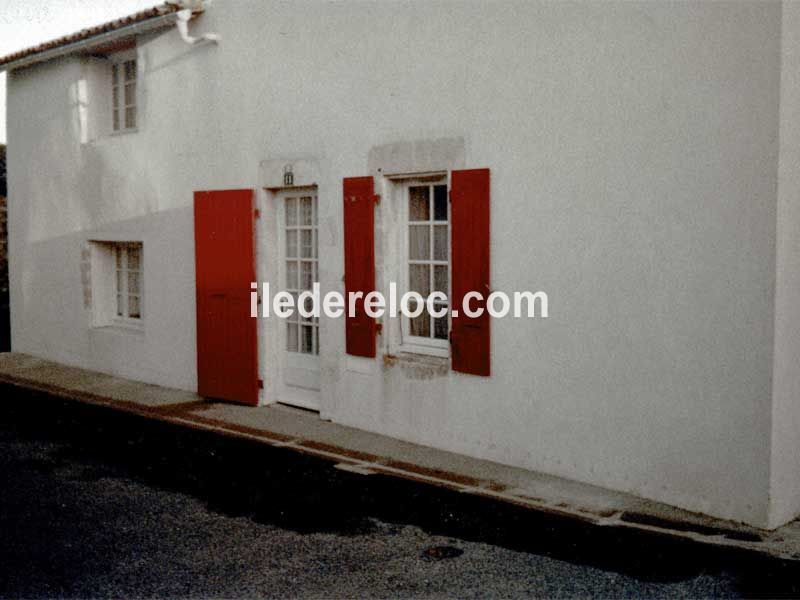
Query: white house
[(638, 162)]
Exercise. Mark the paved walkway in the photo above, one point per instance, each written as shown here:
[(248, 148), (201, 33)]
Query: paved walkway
[(367, 453)]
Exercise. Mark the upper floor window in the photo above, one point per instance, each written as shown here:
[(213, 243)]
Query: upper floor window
[(123, 91)]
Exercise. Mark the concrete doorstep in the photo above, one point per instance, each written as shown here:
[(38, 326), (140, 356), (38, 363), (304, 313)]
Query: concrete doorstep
[(365, 453)]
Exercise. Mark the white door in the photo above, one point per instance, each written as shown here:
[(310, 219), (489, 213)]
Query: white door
[(298, 272)]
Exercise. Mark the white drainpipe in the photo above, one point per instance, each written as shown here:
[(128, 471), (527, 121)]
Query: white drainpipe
[(183, 28)]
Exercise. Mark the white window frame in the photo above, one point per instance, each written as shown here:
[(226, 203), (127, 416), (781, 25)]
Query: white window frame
[(120, 249), (120, 106), (410, 343)]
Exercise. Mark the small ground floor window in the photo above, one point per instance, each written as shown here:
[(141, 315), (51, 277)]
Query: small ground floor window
[(117, 283)]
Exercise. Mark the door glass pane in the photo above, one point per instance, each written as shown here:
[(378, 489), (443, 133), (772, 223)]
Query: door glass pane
[(291, 243), (291, 212), (307, 339), (418, 209), (291, 337), (291, 275), (308, 305), (306, 211), (306, 275), (294, 316), (306, 244)]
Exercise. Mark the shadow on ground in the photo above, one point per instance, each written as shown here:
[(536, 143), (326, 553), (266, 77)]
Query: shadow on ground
[(289, 490)]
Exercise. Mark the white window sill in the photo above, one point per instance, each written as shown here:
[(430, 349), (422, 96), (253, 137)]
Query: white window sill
[(125, 328), (123, 132), (411, 348)]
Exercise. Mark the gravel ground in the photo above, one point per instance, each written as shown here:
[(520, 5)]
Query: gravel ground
[(95, 505)]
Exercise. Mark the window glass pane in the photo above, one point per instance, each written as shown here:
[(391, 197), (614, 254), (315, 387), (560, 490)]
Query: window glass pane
[(419, 242), (418, 209), (133, 282), (440, 278), (291, 337), (133, 257), (306, 211), (119, 305), (114, 74), (118, 257), (306, 339), (291, 275), (116, 120), (440, 328), (420, 326), (130, 70), (291, 212), (419, 279), (306, 244), (306, 275), (119, 281), (440, 203), (291, 243), (115, 97), (440, 242), (133, 307), (130, 117), (130, 94)]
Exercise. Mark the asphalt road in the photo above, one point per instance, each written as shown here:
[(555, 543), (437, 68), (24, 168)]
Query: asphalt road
[(94, 503)]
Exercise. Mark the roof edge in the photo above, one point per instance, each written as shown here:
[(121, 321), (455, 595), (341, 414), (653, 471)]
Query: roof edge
[(84, 40)]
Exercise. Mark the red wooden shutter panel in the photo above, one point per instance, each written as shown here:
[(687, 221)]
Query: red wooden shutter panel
[(359, 262), (227, 357), (469, 241)]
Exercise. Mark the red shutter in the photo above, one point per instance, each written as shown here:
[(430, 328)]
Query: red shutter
[(227, 358), (359, 262), (469, 214)]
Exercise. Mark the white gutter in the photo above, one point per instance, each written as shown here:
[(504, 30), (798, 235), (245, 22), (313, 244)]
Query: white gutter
[(98, 40)]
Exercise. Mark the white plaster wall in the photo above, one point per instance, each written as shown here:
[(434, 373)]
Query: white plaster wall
[(633, 150), (785, 466)]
